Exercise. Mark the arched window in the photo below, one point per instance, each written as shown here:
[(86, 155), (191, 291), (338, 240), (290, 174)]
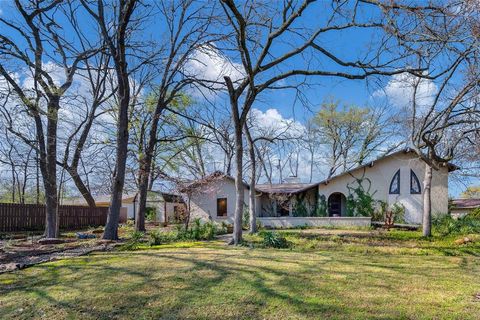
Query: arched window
[(414, 183), (395, 183)]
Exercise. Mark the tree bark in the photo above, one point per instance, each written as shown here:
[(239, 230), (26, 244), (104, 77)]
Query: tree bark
[(111, 227), (146, 166), (82, 188), (118, 51), (427, 202), (50, 171), (251, 194), (239, 187)]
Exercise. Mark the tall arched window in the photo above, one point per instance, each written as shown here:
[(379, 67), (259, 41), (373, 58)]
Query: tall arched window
[(414, 183), (395, 183)]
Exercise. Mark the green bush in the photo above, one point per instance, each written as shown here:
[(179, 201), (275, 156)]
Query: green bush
[(398, 211), (134, 241), (199, 231), (379, 212), (272, 239), (159, 237), (446, 225), (475, 214), (150, 214)]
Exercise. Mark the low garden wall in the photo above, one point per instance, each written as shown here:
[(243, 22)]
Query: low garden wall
[(293, 222)]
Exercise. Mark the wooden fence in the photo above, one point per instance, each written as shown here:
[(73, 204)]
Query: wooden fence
[(31, 217)]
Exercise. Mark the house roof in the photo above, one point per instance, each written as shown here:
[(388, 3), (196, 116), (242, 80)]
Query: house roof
[(451, 166), (215, 176), (100, 201), (466, 203), (289, 188)]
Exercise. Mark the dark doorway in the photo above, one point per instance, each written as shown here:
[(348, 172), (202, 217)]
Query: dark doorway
[(336, 204)]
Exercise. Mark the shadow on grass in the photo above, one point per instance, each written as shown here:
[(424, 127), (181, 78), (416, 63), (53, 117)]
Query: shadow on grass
[(209, 283)]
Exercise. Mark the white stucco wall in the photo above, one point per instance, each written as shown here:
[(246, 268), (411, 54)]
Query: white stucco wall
[(203, 203), (160, 210), (131, 210), (382, 173)]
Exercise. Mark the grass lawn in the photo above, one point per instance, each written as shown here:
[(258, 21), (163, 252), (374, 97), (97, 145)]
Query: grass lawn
[(352, 275)]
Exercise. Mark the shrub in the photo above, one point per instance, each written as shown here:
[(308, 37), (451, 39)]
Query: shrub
[(446, 225), (398, 211), (150, 214), (272, 239), (159, 237), (380, 211), (475, 214), (198, 231), (134, 241)]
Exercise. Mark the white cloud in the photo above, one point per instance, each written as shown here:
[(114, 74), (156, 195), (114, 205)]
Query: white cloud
[(273, 121), (210, 64), (399, 91)]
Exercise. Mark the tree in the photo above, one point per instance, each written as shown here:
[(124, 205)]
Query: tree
[(266, 41), (116, 30), (352, 134), (186, 24), (42, 39), (447, 117), (472, 192)]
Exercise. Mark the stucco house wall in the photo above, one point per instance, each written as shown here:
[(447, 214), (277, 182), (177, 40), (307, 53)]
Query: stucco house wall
[(203, 202), (380, 176)]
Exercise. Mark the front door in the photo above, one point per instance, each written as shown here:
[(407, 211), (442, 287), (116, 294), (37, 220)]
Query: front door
[(335, 205)]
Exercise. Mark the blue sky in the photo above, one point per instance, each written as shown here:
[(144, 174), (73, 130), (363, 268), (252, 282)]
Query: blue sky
[(349, 45)]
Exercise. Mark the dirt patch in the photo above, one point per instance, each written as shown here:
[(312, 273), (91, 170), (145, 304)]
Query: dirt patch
[(19, 254)]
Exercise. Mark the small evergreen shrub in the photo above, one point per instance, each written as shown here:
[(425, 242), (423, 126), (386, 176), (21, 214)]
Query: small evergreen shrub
[(150, 214), (272, 239), (199, 231), (134, 242), (398, 211), (446, 225), (380, 211), (475, 214), (158, 237)]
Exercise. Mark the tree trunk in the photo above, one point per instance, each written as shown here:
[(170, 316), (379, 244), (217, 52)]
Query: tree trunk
[(50, 172), (111, 227), (146, 166), (87, 195), (427, 202), (251, 194), (239, 187), (142, 194)]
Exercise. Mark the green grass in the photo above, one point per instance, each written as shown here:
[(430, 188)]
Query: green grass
[(350, 275)]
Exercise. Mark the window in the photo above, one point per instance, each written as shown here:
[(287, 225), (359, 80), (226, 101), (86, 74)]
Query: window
[(395, 183), (414, 183), (221, 207)]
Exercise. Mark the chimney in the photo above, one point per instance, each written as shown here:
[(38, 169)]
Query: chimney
[(292, 179)]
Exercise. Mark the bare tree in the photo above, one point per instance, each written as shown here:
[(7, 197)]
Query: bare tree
[(441, 121), (115, 24), (186, 25), (266, 41), (35, 25)]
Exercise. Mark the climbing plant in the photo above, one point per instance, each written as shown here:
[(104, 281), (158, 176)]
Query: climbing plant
[(321, 210), (360, 201)]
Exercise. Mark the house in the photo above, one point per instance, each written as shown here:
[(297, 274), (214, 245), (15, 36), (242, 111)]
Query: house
[(127, 211), (213, 198), (394, 178), (462, 207), (168, 207)]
